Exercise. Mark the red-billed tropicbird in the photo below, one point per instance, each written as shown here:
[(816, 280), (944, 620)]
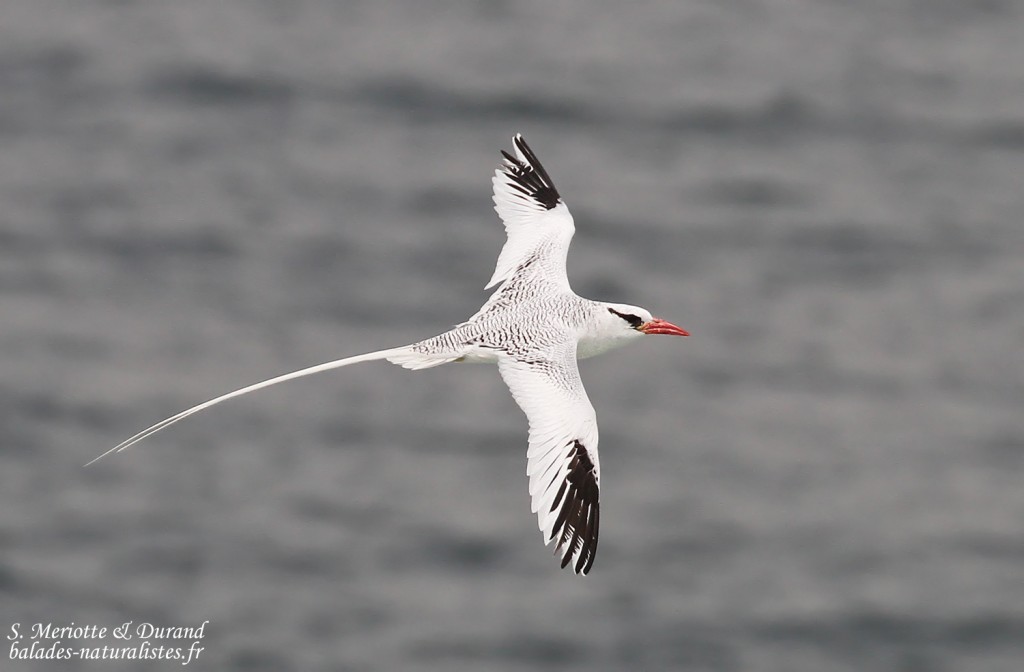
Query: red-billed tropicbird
[(534, 327)]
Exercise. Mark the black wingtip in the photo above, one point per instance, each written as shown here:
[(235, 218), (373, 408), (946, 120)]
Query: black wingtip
[(578, 522), (530, 177), (521, 145)]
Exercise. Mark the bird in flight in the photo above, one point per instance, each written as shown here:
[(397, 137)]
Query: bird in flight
[(534, 327)]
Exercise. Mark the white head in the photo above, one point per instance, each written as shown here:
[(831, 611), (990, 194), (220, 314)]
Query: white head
[(616, 324)]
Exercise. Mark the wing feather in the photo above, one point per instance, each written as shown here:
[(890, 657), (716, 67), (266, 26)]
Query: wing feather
[(537, 221), (562, 459)]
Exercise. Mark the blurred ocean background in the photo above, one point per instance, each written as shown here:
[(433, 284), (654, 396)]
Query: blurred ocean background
[(827, 476)]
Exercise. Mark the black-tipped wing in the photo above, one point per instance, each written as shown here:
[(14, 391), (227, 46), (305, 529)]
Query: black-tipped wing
[(526, 175), (537, 221), (562, 460), (578, 505)]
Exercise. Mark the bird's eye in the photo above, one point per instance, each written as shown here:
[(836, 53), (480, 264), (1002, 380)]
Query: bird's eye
[(633, 320)]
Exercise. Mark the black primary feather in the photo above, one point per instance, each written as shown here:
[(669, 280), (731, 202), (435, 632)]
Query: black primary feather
[(530, 178), (578, 520)]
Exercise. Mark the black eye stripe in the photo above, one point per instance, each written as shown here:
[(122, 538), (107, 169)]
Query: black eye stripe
[(633, 320)]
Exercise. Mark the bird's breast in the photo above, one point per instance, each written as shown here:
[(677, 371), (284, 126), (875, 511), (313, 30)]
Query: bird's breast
[(589, 346)]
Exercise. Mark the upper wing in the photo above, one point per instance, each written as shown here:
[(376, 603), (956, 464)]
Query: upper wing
[(562, 458), (536, 219)]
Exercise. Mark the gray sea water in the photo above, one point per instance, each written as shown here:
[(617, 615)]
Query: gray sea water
[(827, 476)]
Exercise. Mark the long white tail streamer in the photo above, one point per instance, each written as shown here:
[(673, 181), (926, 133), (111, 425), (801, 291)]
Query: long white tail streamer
[(337, 364)]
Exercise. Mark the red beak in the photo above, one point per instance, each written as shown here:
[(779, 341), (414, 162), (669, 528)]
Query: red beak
[(660, 326)]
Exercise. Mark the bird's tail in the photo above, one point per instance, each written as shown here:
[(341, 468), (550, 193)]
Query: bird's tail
[(405, 356)]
